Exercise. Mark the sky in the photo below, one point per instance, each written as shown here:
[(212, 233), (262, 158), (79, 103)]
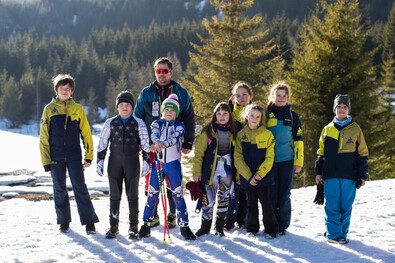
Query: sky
[(28, 230)]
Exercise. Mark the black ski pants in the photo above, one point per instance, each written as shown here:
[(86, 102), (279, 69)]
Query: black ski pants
[(122, 169)]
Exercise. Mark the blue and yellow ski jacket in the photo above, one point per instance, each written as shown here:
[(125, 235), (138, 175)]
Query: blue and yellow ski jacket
[(343, 152), (254, 153), (63, 124), (287, 129)]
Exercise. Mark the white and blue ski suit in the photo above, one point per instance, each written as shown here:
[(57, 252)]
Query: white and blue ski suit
[(171, 134)]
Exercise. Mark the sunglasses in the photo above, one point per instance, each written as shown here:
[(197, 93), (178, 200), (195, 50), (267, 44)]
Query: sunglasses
[(162, 71)]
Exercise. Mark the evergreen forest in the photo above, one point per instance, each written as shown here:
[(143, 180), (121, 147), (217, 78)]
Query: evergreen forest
[(320, 47)]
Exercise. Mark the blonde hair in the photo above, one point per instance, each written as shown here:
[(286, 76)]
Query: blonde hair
[(279, 86), (251, 107)]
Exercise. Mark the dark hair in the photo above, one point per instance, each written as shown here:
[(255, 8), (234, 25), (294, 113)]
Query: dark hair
[(208, 128), (62, 80), (164, 60)]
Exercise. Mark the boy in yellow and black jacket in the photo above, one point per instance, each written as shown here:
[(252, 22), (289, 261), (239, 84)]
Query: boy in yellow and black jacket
[(342, 166), (63, 124)]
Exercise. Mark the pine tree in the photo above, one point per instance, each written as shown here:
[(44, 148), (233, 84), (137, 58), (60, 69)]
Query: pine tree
[(235, 49), (386, 159), (92, 114), (329, 60), (11, 102)]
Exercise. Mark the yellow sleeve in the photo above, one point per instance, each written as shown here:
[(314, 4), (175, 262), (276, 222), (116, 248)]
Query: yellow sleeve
[(362, 146), (321, 143), (267, 164), (298, 153), (86, 135), (200, 149), (44, 138)]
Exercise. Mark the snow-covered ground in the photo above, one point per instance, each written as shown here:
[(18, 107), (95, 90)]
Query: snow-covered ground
[(28, 230)]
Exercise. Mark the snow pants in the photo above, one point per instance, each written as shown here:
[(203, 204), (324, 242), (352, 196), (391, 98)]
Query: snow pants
[(269, 218), (124, 169), (220, 189), (171, 171), (61, 197), (237, 210), (283, 173), (339, 198)]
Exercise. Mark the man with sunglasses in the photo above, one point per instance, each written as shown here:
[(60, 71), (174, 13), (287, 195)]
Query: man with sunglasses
[(148, 108)]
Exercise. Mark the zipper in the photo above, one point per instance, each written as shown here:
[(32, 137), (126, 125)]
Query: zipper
[(341, 140), (166, 136), (65, 125)]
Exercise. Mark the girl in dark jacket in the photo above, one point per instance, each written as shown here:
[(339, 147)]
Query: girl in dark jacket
[(212, 165)]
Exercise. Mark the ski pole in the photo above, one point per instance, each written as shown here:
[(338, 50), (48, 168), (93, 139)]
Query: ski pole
[(163, 196)]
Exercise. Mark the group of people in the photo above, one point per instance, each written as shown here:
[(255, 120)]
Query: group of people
[(246, 153)]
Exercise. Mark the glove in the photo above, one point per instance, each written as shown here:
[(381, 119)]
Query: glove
[(319, 197), (100, 167), (195, 190), (146, 169), (47, 167), (358, 184)]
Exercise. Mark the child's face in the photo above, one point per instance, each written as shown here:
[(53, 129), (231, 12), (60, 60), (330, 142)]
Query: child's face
[(281, 98), (341, 112), (64, 92), (222, 117), (169, 114), (125, 109), (254, 119), (242, 96)]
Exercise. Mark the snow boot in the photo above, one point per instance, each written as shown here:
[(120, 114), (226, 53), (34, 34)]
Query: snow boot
[(229, 226), (90, 229), (65, 227), (338, 240), (133, 231), (204, 228), (219, 226), (171, 220), (145, 230), (187, 233), (112, 232), (155, 222)]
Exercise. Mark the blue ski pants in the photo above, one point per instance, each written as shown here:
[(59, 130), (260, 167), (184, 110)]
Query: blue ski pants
[(339, 196), (171, 171)]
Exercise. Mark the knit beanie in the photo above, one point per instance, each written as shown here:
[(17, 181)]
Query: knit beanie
[(125, 96), (342, 99), (171, 103)]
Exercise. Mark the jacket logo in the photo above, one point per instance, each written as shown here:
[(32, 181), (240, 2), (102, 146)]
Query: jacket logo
[(272, 116), (54, 110), (350, 141), (244, 138), (299, 133)]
